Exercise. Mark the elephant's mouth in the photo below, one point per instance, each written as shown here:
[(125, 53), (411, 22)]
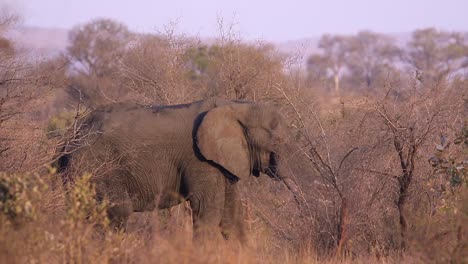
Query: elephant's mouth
[(272, 169)]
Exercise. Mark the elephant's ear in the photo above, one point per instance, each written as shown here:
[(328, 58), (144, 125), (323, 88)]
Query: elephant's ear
[(221, 139)]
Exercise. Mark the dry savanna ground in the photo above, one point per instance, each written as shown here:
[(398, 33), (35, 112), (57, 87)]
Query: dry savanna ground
[(380, 136)]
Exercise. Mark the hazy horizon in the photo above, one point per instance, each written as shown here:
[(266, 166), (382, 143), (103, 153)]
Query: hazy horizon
[(252, 20)]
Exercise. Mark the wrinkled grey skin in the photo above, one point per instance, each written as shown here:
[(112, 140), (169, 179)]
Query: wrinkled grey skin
[(157, 157)]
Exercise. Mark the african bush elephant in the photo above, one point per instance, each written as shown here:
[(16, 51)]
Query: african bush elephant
[(146, 157)]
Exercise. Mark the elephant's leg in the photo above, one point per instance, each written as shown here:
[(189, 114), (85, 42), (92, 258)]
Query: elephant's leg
[(207, 202), (118, 214), (232, 223), (120, 205)]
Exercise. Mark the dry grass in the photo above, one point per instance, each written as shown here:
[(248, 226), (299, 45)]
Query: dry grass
[(39, 227)]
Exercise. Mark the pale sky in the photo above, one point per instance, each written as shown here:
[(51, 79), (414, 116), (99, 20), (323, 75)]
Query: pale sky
[(253, 19)]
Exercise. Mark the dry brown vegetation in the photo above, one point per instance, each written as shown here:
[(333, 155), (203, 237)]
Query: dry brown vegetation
[(379, 132)]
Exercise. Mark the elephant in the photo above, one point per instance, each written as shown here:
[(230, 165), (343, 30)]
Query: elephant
[(154, 157)]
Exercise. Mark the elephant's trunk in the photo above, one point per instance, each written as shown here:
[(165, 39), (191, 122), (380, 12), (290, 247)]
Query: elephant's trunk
[(294, 189), (278, 169), (284, 174), (291, 185)]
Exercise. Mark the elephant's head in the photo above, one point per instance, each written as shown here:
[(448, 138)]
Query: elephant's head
[(243, 138)]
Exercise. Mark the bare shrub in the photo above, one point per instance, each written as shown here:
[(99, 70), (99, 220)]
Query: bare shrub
[(154, 69), (24, 90)]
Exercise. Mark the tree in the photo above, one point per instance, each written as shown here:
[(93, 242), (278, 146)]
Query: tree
[(437, 54), (333, 57), (408, 124), (97, 45), (317, 70), (94, 52), (371, 57)]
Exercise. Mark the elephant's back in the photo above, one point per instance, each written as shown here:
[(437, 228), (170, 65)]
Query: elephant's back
[(158, 120), (126, 127)]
